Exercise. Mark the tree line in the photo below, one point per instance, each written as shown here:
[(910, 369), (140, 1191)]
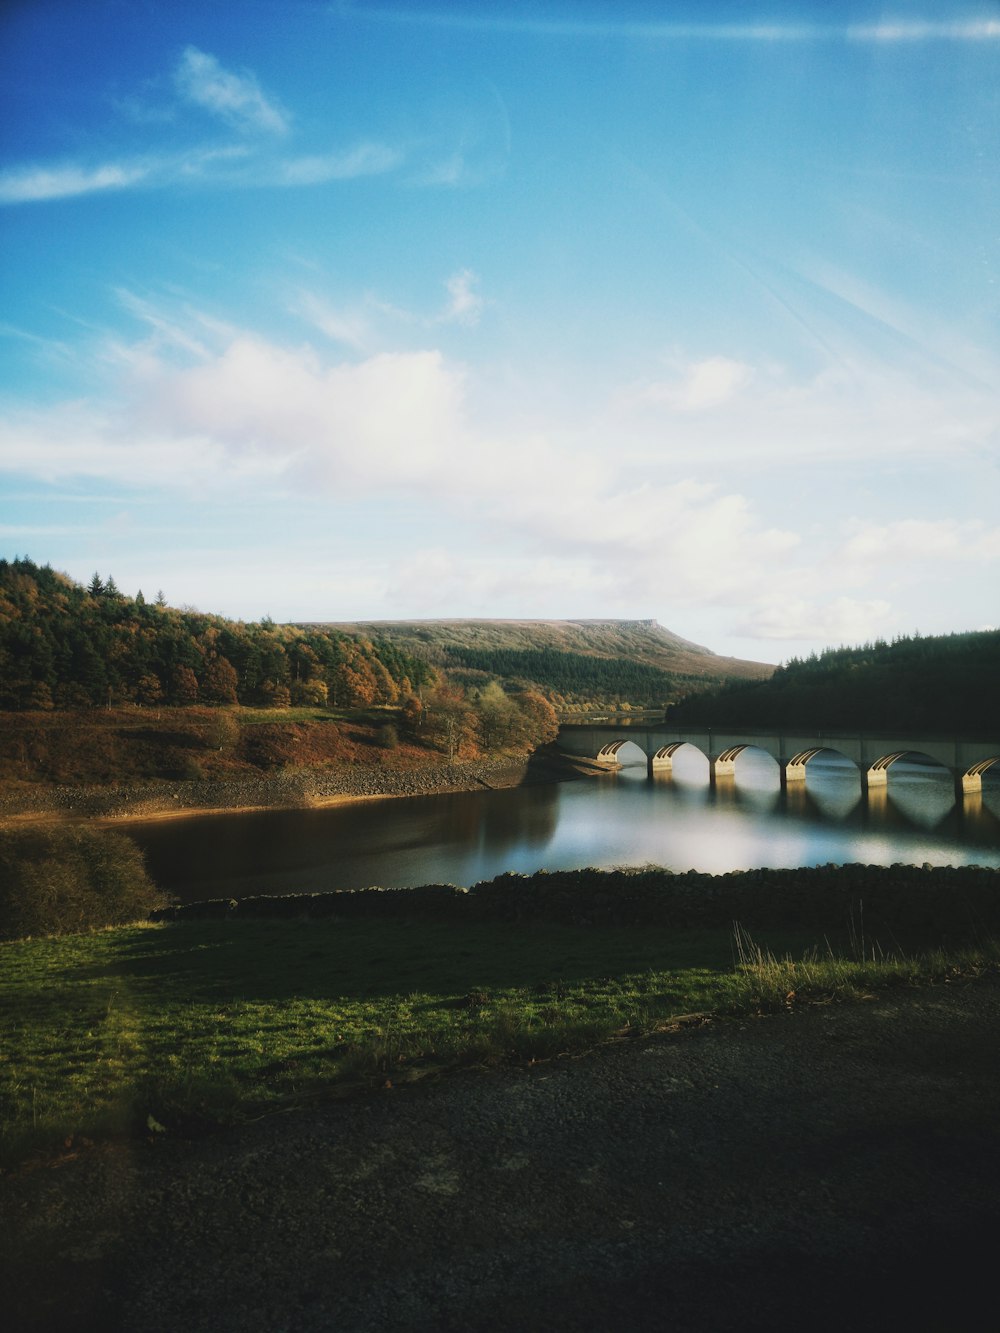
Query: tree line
[(942, 683), (66, 646)]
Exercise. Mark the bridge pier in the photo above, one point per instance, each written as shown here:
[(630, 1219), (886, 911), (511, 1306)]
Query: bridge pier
[(873, 777), (661, 761)]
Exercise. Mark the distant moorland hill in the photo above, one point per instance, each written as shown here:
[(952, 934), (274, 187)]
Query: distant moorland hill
[(576, 664), (64, 645), (946, 683)]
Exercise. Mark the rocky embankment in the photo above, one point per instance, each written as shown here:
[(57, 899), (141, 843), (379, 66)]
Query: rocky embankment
[(291, 788)]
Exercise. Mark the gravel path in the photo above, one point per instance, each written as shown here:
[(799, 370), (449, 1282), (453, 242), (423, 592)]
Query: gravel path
[(836, 1166)]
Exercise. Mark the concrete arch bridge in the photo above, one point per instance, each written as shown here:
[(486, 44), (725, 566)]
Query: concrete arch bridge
[(874, 753)]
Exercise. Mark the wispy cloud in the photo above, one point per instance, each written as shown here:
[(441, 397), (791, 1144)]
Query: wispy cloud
[(236, 98), (373, 323), (888, 30), (352, 328), (233, 165), (918, 30), (465, 304), (365, 159), (30, 184)]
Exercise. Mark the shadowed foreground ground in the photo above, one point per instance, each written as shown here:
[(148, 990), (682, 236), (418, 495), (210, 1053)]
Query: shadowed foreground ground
[(838, 1166)]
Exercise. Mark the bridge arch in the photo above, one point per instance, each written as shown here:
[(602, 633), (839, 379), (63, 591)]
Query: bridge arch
[(877, 773), (608, 754), (724, 763), (794, 769), (662, 760)]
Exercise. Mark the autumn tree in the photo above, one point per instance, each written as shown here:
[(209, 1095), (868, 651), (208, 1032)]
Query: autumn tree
[(497, 717), (149, 689), (220, 681), (451, 723), (540, 724), (183, 685)]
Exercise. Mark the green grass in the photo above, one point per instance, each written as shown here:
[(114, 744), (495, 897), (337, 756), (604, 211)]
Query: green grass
[(192, 1024)]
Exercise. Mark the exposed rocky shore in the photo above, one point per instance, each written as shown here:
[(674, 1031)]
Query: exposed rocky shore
[(291, 788)]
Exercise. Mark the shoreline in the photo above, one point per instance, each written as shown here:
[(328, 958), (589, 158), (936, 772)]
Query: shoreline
[(297, 789)]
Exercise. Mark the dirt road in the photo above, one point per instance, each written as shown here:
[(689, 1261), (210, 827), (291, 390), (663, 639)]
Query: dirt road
[(837, 1167)]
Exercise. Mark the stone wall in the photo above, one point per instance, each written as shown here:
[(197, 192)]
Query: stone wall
[(946, 902)]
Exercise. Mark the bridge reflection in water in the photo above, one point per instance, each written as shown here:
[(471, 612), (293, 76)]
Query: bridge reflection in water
[(872, 754), (919, 796)]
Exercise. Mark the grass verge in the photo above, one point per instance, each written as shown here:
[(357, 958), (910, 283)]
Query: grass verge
[(191, 1024)]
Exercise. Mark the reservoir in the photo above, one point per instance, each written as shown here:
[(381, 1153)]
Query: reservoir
[(622, 818)]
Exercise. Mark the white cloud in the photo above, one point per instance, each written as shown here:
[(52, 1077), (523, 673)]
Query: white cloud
[(465, 304), (236, 98), (840, 620), (843, 414), (20, 185), (501, 511), (702, 385), (387, 420), (908, 540)]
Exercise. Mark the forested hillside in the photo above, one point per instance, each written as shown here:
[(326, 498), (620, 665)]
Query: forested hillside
[(153, 692), (66, 646), (576, 664), (949, 683)]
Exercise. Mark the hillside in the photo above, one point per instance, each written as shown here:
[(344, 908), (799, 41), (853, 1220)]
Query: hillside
[(66, 646), (943, 683), (575, 663), (99, 687)]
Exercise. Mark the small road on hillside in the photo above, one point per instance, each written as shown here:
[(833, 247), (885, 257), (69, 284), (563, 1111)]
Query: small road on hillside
[(831, 1168)]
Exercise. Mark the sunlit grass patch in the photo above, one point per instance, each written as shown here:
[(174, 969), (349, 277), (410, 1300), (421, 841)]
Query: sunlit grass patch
[(766, 982), (199, 1023)]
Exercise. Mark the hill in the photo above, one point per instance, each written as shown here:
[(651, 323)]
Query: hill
[(944, 683), (66, 646), (574, 663)]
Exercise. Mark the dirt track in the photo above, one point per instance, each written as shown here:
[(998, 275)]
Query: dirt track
[(836, 1166)]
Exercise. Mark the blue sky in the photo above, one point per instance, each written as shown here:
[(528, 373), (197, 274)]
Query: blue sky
[(359, 311)]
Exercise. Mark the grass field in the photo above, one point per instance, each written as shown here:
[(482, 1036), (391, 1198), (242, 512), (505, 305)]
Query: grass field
[(185, 1025)]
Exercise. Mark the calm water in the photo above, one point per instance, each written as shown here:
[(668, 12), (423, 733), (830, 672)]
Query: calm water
[(617, 819)]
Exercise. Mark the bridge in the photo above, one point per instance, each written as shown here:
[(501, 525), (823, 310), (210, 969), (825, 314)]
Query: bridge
[(874, 753)]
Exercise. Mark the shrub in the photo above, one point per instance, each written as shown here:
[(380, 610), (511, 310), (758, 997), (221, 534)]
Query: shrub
[(57, 881), (387, 737)]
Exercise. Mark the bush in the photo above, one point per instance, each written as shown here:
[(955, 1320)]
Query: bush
[(62, 880)]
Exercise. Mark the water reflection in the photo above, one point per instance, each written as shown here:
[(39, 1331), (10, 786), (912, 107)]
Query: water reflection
[(676, 819)]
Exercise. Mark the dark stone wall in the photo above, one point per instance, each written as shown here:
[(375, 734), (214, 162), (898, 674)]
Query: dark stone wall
[(945, 902)]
